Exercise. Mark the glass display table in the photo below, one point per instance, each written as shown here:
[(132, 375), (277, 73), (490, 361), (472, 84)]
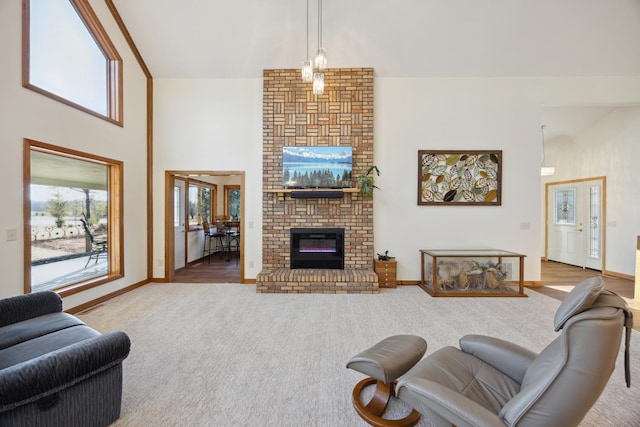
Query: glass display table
[(472, 272)]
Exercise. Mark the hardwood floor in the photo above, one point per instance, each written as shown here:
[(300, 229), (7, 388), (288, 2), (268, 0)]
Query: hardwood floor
[(555, 275), (217, 271)]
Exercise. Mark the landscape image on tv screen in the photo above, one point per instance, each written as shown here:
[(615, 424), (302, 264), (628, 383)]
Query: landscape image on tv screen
[(316, 167)]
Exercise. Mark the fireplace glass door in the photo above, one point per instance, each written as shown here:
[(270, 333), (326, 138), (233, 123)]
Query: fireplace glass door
[(317, 248)]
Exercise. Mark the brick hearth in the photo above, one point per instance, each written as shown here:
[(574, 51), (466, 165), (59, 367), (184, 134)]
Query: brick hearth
[(293, 116), (316, 281)]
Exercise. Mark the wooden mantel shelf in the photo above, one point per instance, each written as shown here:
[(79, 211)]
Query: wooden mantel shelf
[(313, 193), (289, 190)]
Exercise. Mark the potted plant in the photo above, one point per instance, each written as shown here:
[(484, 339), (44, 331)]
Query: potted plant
[(366, 181)]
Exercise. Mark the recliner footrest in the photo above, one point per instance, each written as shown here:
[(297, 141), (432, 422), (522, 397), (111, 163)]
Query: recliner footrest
[(389, 358), (384, 363)]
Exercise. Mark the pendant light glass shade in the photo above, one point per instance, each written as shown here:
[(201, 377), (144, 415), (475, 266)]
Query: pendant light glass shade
[(318, 83), (321, 59), (547, 170), (312, 71), (307, 71)]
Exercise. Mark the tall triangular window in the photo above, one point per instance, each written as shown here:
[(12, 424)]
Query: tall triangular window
[(69, 57)]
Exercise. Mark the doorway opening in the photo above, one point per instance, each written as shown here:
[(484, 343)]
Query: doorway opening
[(197, 201), (575, 215)]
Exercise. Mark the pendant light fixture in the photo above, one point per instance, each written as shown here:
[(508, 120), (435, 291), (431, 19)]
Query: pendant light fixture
[(307, 65), (545, 170), (321, 58)]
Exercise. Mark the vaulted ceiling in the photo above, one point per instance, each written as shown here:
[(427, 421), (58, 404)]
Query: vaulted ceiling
[(398, 38)]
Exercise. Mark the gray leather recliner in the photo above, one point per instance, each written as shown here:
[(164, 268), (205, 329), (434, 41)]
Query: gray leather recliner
[(492, 382)]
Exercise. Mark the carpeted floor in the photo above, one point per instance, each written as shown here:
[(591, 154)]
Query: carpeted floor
[(222, 355)]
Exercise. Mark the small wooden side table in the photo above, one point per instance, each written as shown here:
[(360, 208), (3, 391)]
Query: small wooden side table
[(386, 271)]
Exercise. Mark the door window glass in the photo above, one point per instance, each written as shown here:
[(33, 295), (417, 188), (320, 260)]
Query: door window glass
[(565, 206), (595, 221), (176, 206)]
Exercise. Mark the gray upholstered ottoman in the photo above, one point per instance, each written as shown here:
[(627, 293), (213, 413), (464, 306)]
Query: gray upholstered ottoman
[(383, 363)]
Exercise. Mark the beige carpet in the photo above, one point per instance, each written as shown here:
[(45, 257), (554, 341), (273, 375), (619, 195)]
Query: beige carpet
[(222, 355)]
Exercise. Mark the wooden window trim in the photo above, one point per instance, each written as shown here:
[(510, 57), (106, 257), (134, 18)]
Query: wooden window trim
[(114, 62)]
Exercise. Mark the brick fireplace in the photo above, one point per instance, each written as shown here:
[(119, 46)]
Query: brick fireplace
[(293, 116)]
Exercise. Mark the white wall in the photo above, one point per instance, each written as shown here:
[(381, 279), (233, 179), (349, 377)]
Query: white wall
[(413, 114), (225, 117), (610, 147), (210, 125), (27, 114), (456, 114), (195, 242)]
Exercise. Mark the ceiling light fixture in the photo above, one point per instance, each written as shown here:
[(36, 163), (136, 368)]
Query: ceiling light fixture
[(321, 58), (545, 170), (307, 65)]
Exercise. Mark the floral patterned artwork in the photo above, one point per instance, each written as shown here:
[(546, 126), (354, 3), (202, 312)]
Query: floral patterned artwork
[(459, 177)]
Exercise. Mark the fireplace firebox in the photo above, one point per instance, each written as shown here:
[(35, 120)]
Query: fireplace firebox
[(317, 248)]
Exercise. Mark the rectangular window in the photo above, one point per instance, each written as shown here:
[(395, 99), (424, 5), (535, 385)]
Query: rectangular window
[(200, 202), (232, 201), (73, 221)]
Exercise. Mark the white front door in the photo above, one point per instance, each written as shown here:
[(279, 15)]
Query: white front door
[(179, 192), (575, 213)]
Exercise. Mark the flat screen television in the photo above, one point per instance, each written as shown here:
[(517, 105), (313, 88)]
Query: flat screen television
[(316, 167)]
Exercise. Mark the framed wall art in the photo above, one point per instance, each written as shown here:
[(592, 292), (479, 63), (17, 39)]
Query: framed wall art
[(459, 177)]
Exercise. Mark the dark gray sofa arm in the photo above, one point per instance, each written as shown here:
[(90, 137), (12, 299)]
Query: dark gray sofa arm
[(23, 307), (31, 380)]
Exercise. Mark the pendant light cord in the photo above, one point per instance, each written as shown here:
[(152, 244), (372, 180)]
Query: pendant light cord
[(543, 151), (307, 58), (319, 24)]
